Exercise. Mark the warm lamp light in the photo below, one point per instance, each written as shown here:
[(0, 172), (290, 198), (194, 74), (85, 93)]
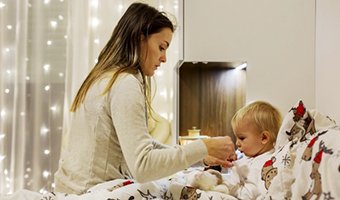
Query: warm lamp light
[(242, 66)]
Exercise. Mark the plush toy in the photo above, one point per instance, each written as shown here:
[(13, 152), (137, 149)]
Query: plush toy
[(209, 180)]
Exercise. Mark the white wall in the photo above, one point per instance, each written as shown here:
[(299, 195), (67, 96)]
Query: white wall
[(275, 37), (328, 58)]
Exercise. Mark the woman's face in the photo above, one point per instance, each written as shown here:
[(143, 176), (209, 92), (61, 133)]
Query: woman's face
[(153, 50)]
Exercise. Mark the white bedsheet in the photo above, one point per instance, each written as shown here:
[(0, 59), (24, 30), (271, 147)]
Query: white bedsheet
[(169, 189)]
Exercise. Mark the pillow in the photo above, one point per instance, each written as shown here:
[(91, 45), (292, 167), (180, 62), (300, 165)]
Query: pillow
[(304, 157), (317, 165), (297, 123)]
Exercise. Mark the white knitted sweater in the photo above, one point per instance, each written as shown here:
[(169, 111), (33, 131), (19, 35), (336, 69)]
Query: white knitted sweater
[(108, 139)]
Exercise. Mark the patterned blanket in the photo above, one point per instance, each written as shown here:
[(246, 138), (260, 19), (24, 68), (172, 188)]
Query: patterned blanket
[(165, 189), (306, 162)]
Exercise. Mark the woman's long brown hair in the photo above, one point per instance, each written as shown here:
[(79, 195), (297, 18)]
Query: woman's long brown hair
[(122, 52)]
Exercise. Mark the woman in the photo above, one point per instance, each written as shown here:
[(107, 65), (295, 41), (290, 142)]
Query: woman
[(108, 137)]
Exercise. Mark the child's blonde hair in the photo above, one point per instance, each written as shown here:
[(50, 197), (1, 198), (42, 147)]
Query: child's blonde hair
[(265, 116)]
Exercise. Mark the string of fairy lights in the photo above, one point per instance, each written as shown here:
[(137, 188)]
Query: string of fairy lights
[(20, 154), (37, 107)]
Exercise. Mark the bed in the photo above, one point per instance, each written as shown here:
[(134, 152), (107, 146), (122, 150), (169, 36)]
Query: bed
[(304, 165)]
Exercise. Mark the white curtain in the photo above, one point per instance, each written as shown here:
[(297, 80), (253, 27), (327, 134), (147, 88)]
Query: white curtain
[(47, 49)]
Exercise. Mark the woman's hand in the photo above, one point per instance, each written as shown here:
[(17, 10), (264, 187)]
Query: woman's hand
[(221, 151), (212, 161)]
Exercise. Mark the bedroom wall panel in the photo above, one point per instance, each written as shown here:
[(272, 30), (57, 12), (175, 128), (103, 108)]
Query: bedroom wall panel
[(276, 38), (209, 97), (327, 58)]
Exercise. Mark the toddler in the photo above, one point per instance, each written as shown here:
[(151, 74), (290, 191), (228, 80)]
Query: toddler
[(255, 127)]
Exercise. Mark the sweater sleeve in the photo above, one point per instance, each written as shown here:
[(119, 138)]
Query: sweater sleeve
[(145, 160)]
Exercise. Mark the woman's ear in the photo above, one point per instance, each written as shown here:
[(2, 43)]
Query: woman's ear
[(265, 137)]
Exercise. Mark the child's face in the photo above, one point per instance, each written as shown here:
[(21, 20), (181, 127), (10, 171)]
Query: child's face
[(249, 139)]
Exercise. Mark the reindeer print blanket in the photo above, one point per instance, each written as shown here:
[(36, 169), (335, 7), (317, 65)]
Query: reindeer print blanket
[(306, 162)]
